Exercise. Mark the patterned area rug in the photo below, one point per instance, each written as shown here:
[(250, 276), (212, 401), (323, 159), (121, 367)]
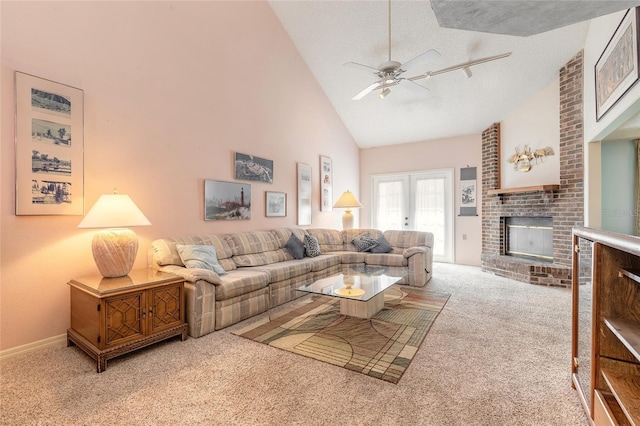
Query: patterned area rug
[(381, 347)]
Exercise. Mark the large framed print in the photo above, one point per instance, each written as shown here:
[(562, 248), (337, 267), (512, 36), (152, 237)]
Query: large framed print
[(304, 194), (326, 184), (617, 69), (227, 200), (249, 167), (49, 144)]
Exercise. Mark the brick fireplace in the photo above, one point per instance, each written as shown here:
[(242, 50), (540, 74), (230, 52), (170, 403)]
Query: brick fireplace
[(564, 205)]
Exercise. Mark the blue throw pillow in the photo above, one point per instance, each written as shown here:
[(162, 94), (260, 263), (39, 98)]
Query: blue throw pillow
[(295, 247), (200, 256), (383, 246)]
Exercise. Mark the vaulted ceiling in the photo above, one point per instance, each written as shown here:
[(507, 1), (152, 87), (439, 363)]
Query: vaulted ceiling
[(329, 34)]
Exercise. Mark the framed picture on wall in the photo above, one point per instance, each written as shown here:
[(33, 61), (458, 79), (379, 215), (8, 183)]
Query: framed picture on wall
[(227, 200), (304, 194), (617, 69), (49, 147), (326, 184), (249, 167), (275, 204)]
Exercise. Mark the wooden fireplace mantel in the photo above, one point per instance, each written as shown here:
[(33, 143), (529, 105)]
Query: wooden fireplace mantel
[(518, 190)]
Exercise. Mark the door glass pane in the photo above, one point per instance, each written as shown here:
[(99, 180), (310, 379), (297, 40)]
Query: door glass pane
[(389, 205), (429, 211)]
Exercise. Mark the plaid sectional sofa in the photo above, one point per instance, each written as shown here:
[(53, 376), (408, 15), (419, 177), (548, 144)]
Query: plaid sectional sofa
[(262, 274)]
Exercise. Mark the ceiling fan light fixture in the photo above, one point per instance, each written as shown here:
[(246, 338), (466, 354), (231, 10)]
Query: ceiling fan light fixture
[(467, 72), (384, 93)]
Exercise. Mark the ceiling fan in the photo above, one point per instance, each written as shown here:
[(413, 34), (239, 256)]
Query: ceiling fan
[(390, 72)]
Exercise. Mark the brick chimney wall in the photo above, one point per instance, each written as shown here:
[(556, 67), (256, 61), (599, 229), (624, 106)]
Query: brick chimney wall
[(565, 206)]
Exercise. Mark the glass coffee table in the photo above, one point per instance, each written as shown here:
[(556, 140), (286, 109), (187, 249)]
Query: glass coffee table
[(360, 288)]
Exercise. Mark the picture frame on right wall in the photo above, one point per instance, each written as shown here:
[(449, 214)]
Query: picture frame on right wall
[(326, 184), (618, 68)]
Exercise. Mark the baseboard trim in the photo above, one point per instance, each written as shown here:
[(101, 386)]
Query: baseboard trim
[(30, 347)]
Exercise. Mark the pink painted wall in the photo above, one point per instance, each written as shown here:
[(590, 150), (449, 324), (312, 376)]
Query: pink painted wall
[(171, 90), (456, 153)]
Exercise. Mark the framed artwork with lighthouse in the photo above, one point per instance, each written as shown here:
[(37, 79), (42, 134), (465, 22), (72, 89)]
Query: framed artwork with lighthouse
[(227, 200)]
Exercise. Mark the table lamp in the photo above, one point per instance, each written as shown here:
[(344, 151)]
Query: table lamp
[(347, 201), (115, 248)]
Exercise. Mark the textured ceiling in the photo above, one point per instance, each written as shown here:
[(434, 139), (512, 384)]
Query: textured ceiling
[(522, 17), (330, 33)]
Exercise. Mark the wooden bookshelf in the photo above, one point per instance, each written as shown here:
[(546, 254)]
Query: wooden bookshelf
[(613, 394)]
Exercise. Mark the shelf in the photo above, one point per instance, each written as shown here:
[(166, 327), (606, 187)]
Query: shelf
[(536, 188), (625, 390), (634, 274), (628, 332)]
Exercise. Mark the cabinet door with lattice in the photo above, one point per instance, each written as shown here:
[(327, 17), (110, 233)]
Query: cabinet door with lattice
[(124, 319), (165, 307)]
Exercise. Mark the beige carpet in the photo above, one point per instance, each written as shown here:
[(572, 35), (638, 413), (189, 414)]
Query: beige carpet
[(498, 354), (380, 347)]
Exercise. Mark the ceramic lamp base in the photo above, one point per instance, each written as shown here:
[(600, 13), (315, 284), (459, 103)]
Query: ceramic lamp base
[(114, 251), (347, 220)]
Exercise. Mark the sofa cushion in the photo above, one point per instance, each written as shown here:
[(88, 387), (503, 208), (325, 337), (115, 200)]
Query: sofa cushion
[(311, 246), (329, 239), (200, 257), (295, 247), (386, 259), (364, 242), (255, 248), (241, 281), (285, 270), (383, 246), (282, 235), (165, 252), (322, 262), (406, 239)]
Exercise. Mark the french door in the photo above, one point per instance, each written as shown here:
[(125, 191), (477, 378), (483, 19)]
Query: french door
[(420, 201)]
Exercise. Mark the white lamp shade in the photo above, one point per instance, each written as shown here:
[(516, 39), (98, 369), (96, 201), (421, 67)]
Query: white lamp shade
[(347, 201), (114, 211)]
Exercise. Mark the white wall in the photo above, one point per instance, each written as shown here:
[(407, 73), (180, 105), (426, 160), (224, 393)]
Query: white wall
[(171, 89), (618, 164), (536, 124)]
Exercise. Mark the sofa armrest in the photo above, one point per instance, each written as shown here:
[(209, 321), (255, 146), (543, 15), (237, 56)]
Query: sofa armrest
[(420, 262), (411, 251), (192, 274)]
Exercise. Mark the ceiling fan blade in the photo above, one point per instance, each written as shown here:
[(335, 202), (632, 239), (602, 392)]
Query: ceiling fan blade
[(414, 87), (422, 60), (361, 67), (366, 91)]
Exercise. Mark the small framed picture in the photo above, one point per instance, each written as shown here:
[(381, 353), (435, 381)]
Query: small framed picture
[(275, 204)]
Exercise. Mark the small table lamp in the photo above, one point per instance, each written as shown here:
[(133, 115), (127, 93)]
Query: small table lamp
[(114, 249), (347, 201)]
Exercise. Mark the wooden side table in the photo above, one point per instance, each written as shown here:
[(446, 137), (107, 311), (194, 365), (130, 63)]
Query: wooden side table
[(113, 316)]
